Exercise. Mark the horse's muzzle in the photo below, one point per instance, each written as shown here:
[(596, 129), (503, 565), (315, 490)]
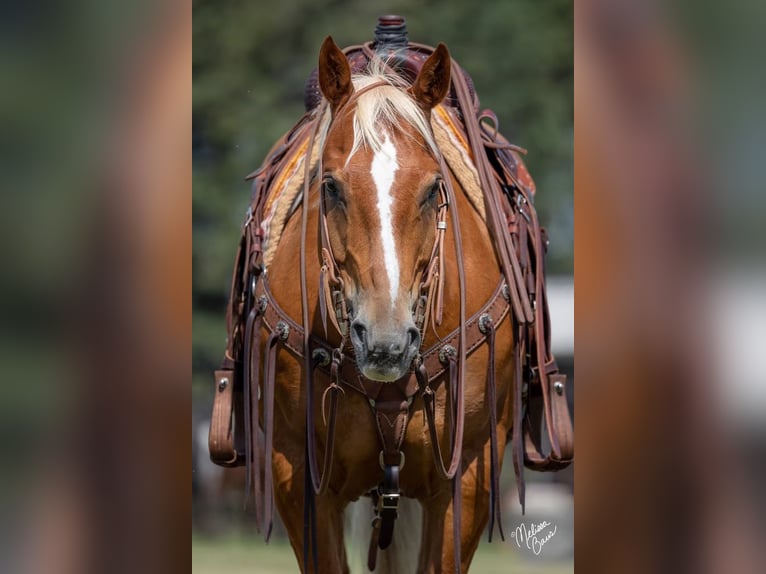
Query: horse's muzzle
[(382, 355)]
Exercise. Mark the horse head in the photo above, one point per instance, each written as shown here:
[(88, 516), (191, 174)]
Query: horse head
[(381, 183)]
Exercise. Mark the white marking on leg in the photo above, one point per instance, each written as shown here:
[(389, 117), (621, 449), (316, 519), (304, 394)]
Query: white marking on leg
[(383, 171)]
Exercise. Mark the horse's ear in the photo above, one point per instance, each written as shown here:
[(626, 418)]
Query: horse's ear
[(433, 81), (334, 74)]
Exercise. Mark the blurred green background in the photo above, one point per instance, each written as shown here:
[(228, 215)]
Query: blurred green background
[(251, 60)]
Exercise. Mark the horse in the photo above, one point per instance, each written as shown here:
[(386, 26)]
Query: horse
[(380, 184), (412, 320)]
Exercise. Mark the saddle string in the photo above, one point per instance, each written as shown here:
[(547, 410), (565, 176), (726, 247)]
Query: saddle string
[(251, 384), (269, 372)]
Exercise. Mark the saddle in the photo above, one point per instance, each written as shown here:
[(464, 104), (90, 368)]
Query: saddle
[(247, 372)]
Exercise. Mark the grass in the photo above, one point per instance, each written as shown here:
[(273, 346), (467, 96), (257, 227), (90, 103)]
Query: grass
[(240, 555)]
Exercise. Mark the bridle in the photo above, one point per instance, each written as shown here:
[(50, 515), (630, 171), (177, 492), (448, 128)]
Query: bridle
[(331, 285)]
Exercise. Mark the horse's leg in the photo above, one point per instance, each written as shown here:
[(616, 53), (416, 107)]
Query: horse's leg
[(288, 494), (438, 549)]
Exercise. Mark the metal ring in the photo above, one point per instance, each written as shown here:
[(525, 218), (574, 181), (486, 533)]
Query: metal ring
[(506, 292), (401, 460), (485, 323)]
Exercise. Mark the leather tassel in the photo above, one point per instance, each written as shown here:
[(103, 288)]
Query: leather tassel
[(269, 371)]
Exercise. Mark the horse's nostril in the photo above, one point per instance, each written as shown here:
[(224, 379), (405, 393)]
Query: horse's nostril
[(359, 332), (413, 337)]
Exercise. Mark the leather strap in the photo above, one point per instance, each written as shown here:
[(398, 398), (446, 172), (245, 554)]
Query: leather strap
[(221, 437), (252, 412), (562, 453), (494, 470)]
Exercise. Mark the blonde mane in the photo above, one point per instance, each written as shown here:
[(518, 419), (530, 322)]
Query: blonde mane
[(387, 106)]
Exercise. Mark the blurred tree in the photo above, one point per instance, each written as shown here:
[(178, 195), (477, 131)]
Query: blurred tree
[(251, 60)]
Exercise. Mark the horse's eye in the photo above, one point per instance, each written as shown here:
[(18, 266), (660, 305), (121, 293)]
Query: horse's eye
[(433, 194), (331, 189), (432, 197)]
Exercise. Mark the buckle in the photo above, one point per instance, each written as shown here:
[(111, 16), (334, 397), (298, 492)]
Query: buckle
[(388, 501)]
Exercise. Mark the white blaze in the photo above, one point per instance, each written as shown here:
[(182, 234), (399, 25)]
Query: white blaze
[(383, 171)]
